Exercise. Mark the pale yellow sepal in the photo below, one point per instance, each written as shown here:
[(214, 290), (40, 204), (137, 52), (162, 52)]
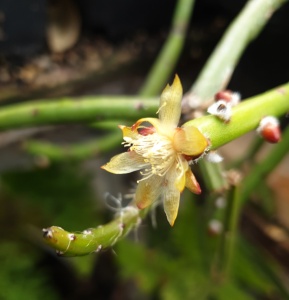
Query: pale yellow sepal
[(127, 132), (171, 203), (125, 163), (180, 179), (161, 150), (192, 183), (190, 141), (170, 104), (148, 191), (153, 121)]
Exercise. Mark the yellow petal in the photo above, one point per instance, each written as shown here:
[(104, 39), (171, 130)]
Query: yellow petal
[(192, 183), (148, 191), (180, 174), (190, 141), (153, 121), (125, 163), (170, 104), (128, 132), (171, 202)]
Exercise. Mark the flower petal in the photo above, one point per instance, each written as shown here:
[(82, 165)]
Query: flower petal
[(148, 191), (170, 104), (192, 183), (126, 162), (153, 121), (127, 132), (179, 175), (190, 141), (171, 202)]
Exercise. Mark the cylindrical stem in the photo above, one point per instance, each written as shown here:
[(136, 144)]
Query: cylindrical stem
[(245, 117)]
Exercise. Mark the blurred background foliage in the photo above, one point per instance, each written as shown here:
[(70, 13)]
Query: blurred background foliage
[(103, 47)]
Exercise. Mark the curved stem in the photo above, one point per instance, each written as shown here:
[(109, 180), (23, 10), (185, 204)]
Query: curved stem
[(73, 152), (94, 239)]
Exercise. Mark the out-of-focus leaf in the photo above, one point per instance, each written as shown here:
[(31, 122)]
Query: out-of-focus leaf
[(19, 278), (230, 290), (60, 193), (185, 284), (139, 263), (257, 271)]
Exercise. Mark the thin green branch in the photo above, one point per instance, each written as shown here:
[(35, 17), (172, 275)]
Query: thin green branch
[(250, 154), (222, 62), (245, 116), (171, 50), (81, 151), (108, 124), (231, 220), (264, 168), (67, 110), (212, 175)]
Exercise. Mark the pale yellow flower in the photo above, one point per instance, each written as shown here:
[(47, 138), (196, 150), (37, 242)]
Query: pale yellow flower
[(161, 150)]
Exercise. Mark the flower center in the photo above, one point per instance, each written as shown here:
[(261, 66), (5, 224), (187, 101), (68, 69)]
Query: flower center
[(157, 151)]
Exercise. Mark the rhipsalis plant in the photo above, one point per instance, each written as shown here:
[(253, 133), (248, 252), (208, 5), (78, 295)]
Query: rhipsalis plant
[(162, 150), (164, 153)]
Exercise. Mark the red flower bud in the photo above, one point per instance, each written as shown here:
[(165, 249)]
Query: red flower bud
[(271, 133), (228, 96), (269, 129)]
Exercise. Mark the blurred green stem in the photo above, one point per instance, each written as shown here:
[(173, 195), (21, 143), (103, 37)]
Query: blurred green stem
[(171, 50), (229, 233), (222, 62), (212, 175), (250, 154), (67, 110), (261, 170), (108, 124), (74, 152)]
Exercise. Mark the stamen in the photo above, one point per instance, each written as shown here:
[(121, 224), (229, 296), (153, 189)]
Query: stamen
[(157, 151)]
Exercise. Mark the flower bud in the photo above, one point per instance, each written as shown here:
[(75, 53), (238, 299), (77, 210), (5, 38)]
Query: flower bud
[(269, 129), (233, 98), (215, 227)]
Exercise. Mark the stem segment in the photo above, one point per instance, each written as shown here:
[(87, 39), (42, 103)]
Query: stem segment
[(262, 169), (171, 50), (69, 110), (245, 117)]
